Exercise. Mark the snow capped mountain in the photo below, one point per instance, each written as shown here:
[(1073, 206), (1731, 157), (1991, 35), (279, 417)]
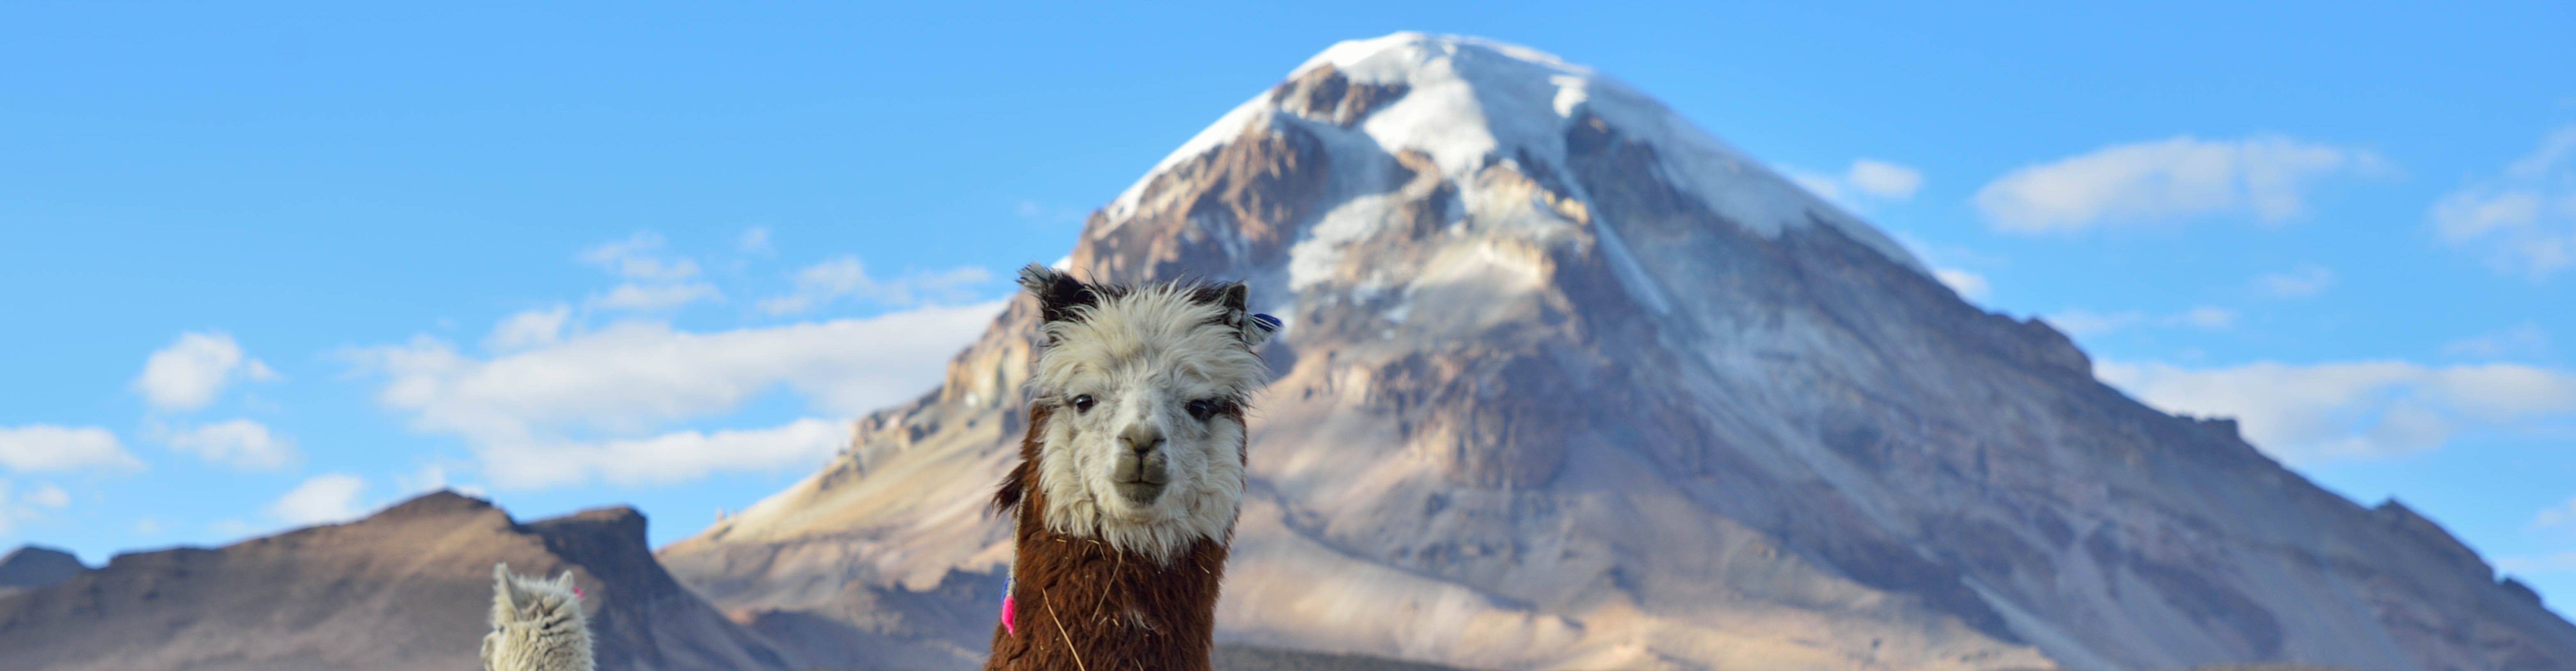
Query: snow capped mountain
[(1568, 383), (1466, 103)]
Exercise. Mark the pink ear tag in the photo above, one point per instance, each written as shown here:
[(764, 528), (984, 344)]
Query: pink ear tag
[(576, 592)]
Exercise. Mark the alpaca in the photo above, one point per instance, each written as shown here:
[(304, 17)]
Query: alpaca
[(1130, 476), (537, 624)]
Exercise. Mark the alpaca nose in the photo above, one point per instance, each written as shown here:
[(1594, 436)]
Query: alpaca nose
[(1142, 470), (1141, 437)]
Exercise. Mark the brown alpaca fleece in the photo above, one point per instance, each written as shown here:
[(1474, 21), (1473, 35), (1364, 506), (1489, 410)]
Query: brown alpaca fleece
[(1080, 605)]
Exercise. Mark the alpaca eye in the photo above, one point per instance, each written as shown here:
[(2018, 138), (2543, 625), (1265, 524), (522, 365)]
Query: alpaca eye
[(1201, 409), (1083, 403)]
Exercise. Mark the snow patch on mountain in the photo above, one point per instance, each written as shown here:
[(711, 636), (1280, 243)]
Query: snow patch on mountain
[(1472, 102)]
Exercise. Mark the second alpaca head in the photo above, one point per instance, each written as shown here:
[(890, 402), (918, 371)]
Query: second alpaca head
[(1144, 390), (537, 624)]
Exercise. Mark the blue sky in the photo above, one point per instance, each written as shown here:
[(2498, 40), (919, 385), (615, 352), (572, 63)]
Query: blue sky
[(270, 264)]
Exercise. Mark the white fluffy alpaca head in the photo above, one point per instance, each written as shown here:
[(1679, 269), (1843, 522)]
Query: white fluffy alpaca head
[(1144, 390), (537, 624)]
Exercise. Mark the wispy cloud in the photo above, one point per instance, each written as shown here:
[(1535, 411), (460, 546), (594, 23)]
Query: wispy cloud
[(1866, 181), (11, 511), (1970, 285), (192, 371), (2526, 217), (2306, 414), (2522, 341), (638, 257), (2267, 176), (599, 396), (50, 496), (654, 281), (669, 457), (2083, 322), (2305, 280), (240, 443), (655, 297), (754, 240), (529, 328), (846, 277)]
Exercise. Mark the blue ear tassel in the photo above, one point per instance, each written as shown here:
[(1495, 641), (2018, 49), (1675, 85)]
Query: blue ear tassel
[(1266, 323)]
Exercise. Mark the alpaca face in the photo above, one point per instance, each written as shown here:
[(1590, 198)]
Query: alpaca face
[(1145, 387), (537, 624)]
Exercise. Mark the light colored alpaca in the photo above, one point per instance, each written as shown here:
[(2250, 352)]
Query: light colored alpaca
[(537, 624), (1131, 475)]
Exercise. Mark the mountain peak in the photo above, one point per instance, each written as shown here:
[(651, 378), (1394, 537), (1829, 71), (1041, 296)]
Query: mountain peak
[(38, 566), (1467, 103)]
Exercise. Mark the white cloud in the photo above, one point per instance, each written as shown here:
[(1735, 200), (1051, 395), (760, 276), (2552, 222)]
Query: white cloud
[(430, 478), (529, 328), (2303, 414), (1884, 180), (670, 457), (846, 277), (2083, 322), (50, 496), (14, 508), (2266, 176), (322, 499), (240, 443), (1970, 285), (755, 241), (653, 281), (653, 297), (2208, 317), (2526, 217), (46, 447), (2305, 280), (1867, 178), (2525, 340), (189, 373), (634, 258), (149, 527), (2557, 515), (635, 379)]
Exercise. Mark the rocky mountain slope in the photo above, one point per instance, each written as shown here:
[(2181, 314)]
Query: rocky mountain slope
[(31, 566), (408, 588), (1569, 384)]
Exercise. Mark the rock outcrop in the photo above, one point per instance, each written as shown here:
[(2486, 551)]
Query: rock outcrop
[(32, 566)]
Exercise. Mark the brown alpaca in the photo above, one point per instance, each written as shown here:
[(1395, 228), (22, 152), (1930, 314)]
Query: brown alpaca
[(1131, 475)]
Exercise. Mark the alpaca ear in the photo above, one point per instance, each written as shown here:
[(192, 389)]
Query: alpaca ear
[(565, 581), (502, 589), (1058, 293), (1235, 297)]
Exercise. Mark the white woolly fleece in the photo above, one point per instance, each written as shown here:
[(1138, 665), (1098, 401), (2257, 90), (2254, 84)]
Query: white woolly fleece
[(537, 625)]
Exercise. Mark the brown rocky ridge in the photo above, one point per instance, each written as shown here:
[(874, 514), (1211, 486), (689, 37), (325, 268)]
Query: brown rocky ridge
[(407, 588)]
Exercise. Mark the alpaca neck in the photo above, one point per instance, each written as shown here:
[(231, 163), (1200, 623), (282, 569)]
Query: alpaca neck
[(1080, 604)]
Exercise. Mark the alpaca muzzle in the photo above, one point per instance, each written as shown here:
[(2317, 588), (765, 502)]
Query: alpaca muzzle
[(1143, 469)]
